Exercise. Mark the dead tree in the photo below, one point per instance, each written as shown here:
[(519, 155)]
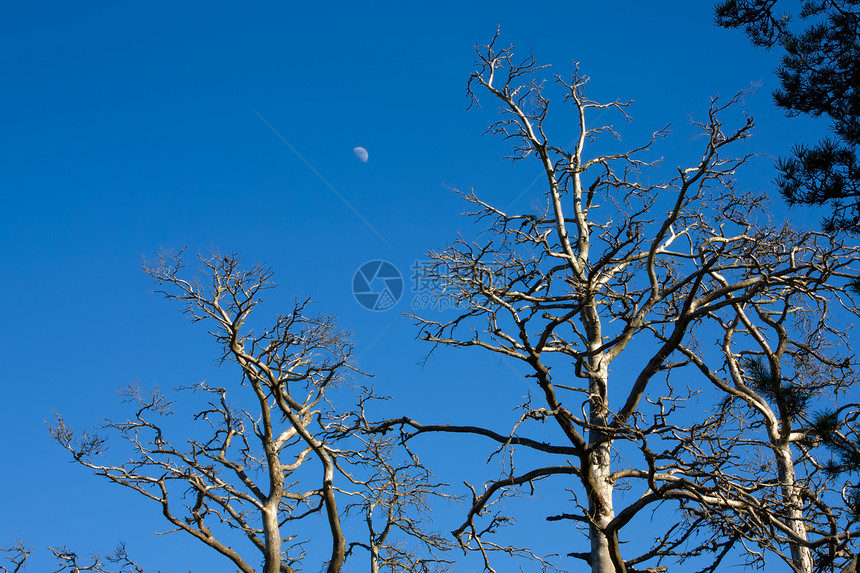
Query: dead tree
[(70, 562), (266, 462), (615, 274), (782, 359), (393, 498), (17, 556)]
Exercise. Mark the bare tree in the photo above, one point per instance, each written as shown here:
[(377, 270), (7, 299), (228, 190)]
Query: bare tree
[(17, 555), (264, 464), (394, 497), (780, 355), (618, 271), (71, 562)]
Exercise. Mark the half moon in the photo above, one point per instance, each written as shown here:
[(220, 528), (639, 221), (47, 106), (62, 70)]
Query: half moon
[(361, 153)]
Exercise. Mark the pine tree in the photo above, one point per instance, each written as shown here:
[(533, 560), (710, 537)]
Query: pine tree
[(819, 75)]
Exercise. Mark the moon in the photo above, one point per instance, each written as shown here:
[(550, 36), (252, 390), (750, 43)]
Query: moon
[(361, 153)]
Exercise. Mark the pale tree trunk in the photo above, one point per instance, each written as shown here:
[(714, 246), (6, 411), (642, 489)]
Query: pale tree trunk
[(374, 559), (271, 528), (801, 556), (598, 484), (601, 511), (272, 533)]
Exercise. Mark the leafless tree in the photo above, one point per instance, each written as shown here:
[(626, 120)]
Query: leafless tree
[(394, 497), (618, 271), (779, 357), (17, 555), (264, 463), (70, 561)]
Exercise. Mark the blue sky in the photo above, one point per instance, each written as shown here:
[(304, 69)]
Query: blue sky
[(128, 127)]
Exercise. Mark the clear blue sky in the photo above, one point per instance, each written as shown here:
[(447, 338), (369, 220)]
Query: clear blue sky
[(131, 126)]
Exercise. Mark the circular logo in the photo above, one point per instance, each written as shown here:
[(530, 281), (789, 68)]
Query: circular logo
[(377, 285)]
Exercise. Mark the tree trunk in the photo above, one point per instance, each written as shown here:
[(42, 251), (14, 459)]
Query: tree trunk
[(800, 555), (374, 558), (272, 533), (601, 510), (598, 485)]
